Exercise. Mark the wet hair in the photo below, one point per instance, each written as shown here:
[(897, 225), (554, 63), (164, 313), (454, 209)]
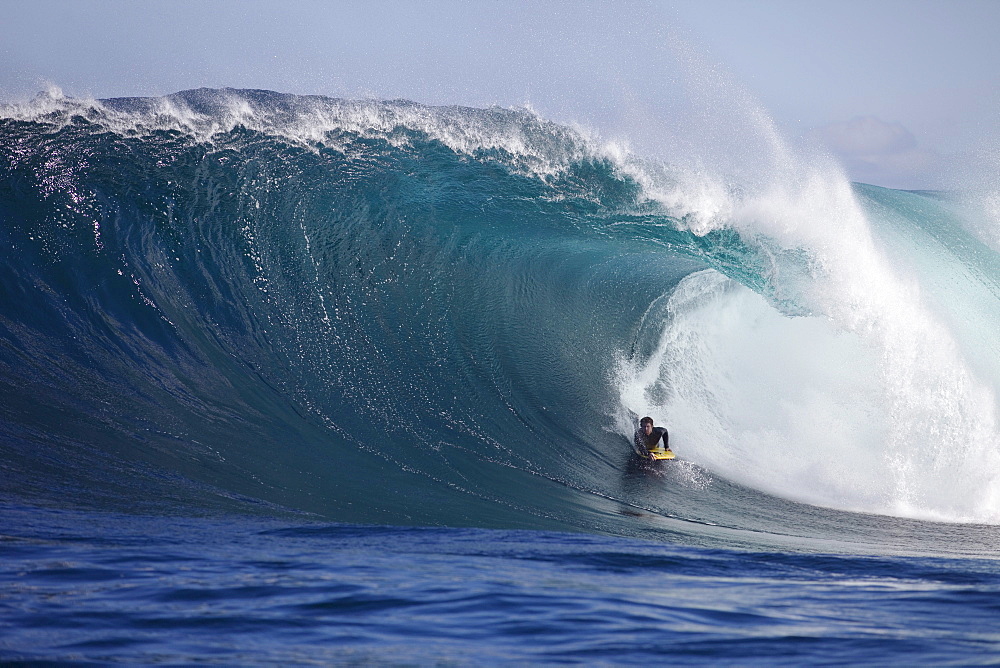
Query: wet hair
[(645, 420)]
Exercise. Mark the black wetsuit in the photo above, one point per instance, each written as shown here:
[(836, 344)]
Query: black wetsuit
[(643, 443)]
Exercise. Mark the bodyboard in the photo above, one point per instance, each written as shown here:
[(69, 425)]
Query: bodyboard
[(660, 453)]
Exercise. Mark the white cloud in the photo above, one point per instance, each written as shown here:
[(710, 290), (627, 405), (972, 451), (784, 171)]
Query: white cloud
[(878, 152)]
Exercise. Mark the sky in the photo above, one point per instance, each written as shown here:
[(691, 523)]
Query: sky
[(898, 90)]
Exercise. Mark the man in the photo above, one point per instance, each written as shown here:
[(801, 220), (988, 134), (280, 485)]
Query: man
[(648, 436)]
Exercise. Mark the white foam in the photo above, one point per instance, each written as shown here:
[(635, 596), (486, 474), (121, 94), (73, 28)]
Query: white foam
[(870, 405), (532, 144), (803, 409)]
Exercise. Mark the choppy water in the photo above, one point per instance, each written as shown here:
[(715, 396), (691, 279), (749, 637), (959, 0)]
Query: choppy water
[(120, 588)]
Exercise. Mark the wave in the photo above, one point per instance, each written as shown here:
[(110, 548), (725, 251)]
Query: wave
[(387, 312)]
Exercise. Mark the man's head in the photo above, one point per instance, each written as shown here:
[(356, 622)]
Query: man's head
[(646, 424)]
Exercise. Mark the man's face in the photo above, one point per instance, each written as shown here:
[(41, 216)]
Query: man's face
[(647, 428)]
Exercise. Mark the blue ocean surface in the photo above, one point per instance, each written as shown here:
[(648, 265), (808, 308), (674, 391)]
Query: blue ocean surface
[(291, 379), (102, 587)]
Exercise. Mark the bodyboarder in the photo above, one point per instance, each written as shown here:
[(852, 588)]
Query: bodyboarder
[(648, 437)]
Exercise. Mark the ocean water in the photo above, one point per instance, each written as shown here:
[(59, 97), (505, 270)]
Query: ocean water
[(307, 380)]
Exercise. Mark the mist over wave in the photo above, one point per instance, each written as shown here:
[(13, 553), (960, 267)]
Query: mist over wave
[(386, 312)]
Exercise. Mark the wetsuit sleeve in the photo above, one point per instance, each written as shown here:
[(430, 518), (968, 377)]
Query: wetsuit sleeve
[(639, 445)]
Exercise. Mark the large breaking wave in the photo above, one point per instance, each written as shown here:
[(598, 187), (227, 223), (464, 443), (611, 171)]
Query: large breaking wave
[(387, 312)]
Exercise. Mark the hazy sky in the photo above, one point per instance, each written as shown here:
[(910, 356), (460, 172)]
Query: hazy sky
[(896, 88)]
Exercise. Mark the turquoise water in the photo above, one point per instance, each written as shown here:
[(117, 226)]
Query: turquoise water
[(333, 333)]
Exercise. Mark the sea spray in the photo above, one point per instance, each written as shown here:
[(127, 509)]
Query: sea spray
[(848, 388)]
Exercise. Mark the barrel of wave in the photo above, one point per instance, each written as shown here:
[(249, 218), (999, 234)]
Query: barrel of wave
[(794, 407)]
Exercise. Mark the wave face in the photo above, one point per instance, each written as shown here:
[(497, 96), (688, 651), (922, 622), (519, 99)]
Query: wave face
[(385, 312)]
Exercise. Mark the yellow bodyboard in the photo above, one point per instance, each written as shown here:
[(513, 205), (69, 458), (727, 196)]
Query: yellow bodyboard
[(660, 453)]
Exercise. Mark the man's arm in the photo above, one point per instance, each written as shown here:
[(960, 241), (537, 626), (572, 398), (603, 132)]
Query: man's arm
[(640, 446)]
